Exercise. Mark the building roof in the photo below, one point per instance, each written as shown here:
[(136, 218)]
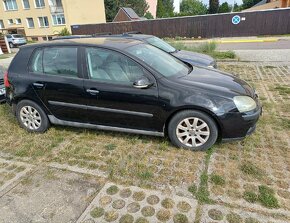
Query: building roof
[(131, 13), (126, 14), (264, 5)]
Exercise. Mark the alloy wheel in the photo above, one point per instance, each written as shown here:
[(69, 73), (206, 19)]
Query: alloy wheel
[(30, 117), (193, 132)]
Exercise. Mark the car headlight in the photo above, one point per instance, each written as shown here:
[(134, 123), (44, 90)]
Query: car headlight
[(244, 103)]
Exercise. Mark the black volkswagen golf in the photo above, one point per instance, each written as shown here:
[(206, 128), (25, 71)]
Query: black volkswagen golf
[(126, 85)]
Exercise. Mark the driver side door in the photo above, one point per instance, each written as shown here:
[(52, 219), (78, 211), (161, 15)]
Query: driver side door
[(112, 98)]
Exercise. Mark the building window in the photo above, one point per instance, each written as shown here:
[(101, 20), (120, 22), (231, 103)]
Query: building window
[(10, 21), (30, 22), (26, 4), (18, 21), (2, 24), (43, 21), (10, 5), (58, 19), (39, 3)]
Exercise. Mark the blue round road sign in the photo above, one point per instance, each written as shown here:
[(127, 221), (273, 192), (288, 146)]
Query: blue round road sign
[(236, 20)]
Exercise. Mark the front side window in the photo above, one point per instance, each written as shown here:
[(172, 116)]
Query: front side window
[(60, 61), (159, 60), (26, 4), (39, 3), (159, 43), (43, 21), (58, 19), (112, 67), (30, 22), (10, 5)]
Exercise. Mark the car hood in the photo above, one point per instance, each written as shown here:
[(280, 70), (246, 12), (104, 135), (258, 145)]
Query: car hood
[(215, 81), (194, 57)]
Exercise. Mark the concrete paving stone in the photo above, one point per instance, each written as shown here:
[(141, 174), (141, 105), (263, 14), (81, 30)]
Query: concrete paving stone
[(49, 195), (10, 172), (222, 214), (138, 205)]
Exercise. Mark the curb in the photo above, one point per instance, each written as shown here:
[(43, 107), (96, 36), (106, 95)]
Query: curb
[(248, 41)]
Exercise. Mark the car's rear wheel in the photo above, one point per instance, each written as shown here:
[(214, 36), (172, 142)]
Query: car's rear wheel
[(11, 45), (31, 117), (193, 130)]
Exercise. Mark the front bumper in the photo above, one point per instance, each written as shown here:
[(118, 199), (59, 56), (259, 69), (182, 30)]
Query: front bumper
[(237, 126)]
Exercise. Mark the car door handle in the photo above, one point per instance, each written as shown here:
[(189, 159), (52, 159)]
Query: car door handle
[(92, 91), (38, 85)]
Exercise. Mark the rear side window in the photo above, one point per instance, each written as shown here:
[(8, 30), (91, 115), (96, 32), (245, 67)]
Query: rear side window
[(61, 61), (36, 62)]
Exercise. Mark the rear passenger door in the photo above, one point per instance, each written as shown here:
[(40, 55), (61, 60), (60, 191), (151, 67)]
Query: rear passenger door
[(59, 82)]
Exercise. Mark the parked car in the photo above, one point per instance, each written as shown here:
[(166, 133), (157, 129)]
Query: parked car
[(193, 58), (129, 86), (15, 40), (2, 87)]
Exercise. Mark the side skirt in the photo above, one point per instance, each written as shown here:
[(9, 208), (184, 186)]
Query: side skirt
[(57, 121)]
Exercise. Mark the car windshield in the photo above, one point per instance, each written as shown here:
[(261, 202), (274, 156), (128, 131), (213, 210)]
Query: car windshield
[(159, 60), (17, 36), (155, 41)]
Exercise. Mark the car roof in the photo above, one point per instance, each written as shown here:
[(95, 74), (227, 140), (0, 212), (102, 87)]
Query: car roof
[(111, 42)]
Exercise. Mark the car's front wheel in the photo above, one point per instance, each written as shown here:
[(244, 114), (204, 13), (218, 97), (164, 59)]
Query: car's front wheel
[(193, 130), (31, 117), (11, 45)]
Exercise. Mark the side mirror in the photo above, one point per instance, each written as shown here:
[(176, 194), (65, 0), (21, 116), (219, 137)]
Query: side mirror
[(142, 83)]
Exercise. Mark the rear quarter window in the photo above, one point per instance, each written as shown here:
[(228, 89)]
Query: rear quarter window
[(61, 61)]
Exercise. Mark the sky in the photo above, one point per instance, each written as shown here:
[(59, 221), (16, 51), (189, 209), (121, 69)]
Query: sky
[(177, 2)]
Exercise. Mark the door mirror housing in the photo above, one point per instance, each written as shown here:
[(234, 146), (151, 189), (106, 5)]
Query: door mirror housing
[(142, 83)]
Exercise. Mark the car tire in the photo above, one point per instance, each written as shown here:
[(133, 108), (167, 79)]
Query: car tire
[(11, 45), (31, 117), (192, 130)]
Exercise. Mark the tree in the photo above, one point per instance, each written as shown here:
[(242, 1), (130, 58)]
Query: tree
[(112, 7), (148, 15), (237, 8), (192, 7), (169, 8), (165, 8), (224, 8), (213, 6), (160, 9), (249, 3)]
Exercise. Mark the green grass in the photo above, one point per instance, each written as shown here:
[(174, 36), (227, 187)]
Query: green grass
[(250, 196), (249, 168), (267, 197), (283, 89), (217, 180), (192, 189), (208, 48)]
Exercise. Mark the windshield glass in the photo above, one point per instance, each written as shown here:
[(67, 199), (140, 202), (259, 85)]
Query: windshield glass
[(159, 60), (17, 36), (155, 41)]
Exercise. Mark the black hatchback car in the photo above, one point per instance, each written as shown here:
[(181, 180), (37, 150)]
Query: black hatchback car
[(126, 85)]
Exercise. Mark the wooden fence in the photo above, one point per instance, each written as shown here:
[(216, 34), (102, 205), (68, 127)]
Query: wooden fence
[(270, 22), (3, 45)]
